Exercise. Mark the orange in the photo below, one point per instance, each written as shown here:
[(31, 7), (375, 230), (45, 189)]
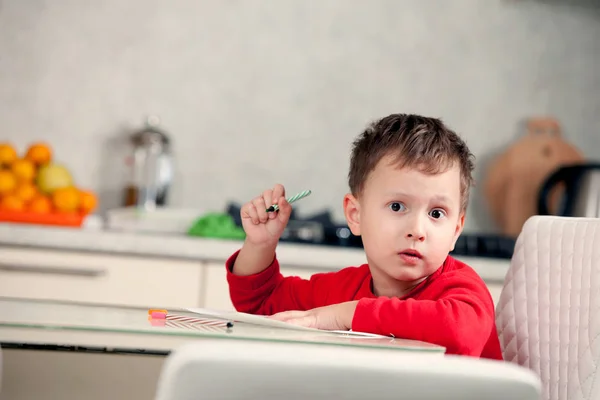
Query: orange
[(8, 182), (12, 203), (39, 153), (23, 169), (40, 205), (89, 201), (66, 199), (26, 191), (8, 154)]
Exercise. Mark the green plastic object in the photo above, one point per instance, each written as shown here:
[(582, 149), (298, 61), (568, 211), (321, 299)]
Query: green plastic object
[(216, 225)]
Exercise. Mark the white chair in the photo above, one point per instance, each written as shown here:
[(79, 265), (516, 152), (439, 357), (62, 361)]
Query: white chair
[(236, 369), (548, 314)]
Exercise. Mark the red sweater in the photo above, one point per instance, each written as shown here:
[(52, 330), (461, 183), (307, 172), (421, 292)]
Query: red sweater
[(452, 307)]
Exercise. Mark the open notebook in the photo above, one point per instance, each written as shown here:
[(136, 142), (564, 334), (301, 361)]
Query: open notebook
[(264, 321)]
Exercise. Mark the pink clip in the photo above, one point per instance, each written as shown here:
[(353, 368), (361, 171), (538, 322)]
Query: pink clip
[(158, 315)]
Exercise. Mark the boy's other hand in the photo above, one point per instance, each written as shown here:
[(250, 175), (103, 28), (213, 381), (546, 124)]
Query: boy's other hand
[(336, 317), (262, 227)]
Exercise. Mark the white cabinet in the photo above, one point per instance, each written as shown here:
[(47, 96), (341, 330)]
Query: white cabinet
[(99, 278), (149, 281), (216, 290)]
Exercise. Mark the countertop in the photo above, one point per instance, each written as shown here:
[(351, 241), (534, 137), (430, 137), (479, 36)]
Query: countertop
[(202, 249)]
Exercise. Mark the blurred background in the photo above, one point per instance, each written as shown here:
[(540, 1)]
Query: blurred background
[(229, 97)]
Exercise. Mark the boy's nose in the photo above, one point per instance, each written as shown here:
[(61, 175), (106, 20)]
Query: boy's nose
[(416, 236), (415, 230)]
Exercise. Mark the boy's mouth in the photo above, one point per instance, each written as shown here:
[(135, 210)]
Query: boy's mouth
[(411, 253)]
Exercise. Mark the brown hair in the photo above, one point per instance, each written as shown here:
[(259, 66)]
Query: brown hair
[(415, 141)]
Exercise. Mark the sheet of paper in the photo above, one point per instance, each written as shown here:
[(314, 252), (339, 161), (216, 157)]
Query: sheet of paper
[(360, 334), (248, 318), (264, 321)]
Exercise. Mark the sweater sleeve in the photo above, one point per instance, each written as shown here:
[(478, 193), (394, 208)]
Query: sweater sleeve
[(268, 292), (460, 319)]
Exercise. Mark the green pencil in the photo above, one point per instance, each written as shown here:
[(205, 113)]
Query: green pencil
[(292, 199)]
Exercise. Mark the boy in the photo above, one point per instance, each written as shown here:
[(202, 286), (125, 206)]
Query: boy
[(409, 180)]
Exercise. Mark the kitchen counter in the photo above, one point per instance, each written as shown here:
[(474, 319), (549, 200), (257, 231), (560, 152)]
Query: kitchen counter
[(201, 249)]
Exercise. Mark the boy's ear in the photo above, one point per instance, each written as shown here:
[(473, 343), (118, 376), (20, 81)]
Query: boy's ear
[(352, 213), (458, 230)]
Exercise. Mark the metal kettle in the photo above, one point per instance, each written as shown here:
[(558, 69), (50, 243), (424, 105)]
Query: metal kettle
[(581, 196), (150, 167)]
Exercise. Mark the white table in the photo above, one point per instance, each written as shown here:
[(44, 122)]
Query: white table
[(60, 350)]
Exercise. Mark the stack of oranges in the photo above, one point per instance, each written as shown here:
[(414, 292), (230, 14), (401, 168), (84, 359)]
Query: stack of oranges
[(20, 188)]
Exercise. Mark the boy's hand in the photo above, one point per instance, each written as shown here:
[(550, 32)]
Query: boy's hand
[(336, 317), (263, 228)]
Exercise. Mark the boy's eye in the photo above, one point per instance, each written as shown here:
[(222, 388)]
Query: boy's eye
[(437, 213), (395, 207)]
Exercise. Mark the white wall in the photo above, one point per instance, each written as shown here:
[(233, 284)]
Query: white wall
[(256, 92)]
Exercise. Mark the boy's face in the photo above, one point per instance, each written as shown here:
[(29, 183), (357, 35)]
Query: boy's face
[(409, 222)]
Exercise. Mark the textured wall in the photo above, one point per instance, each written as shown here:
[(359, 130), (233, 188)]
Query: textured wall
[(256, 92)]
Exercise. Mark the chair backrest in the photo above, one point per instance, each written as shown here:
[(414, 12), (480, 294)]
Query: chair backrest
[(236, 369), (548, 314)]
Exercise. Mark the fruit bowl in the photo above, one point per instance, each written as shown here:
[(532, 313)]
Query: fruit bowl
[(53, 218), (36, 189)]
